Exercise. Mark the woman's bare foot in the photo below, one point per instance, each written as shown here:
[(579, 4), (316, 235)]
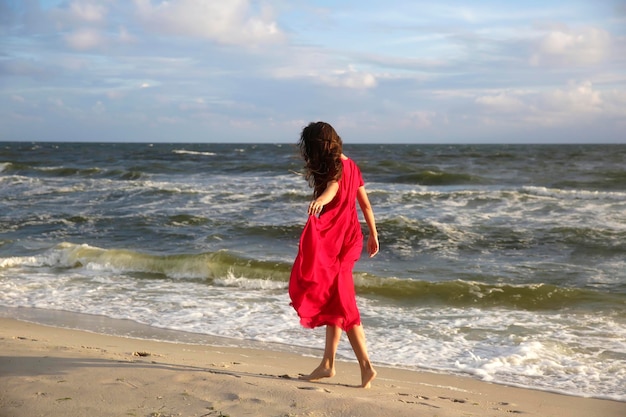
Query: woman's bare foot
[(367, 376), (319, 373)]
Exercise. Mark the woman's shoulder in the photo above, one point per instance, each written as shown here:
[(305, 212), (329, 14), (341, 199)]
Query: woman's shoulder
[(349, 165), (348, 161)]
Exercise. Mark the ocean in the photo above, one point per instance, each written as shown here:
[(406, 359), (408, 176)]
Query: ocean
[(506, 263)]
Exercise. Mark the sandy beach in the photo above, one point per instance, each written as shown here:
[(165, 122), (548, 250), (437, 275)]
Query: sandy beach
[(48, 371)]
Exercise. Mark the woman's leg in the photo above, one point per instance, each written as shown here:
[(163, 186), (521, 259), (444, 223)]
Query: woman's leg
[(326, 369), (356, 335)]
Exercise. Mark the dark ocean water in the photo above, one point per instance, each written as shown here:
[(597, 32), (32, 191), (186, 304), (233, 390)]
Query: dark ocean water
[(507, 262)]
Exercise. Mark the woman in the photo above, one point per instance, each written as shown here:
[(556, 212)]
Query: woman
[(321, 285)]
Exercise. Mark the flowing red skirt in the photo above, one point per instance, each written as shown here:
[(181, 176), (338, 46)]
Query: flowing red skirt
[(321, 285)]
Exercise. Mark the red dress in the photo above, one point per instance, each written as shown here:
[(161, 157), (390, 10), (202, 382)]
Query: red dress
[(321, 286)]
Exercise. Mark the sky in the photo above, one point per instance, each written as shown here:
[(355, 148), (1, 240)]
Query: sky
[(394, 71)]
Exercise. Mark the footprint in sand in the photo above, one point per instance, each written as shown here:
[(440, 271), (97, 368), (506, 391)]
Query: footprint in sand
[(315, 389)]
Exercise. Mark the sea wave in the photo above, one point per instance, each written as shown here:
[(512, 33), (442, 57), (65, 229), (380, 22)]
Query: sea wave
[(203, 266), (224, 268), (427, 235), (186, 152), (461, 293), (579, 194), (603, 180), (37, 171), (432, 177)]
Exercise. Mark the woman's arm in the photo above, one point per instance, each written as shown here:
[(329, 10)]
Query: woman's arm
[(326, 197), (368, 213)]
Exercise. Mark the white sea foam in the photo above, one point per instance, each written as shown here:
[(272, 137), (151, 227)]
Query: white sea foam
[(186, 152), (253, 284), (16, 261), (574, 194)]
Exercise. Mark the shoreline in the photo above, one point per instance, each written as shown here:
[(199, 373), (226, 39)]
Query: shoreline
[(127, 328), (57, 371)]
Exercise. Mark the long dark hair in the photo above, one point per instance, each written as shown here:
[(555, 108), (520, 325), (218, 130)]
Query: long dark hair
[(321, 148)]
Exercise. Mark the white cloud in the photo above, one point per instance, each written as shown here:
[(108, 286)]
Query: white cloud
[(115, 94), (68, 16), (615, 104), (576, 104), (576, 99), (124, 37), (98, 108), (84, 39), (565, 46), (349, 79), (323, 68), (503, 102), (229, 22), (88, 11), (422, 119)]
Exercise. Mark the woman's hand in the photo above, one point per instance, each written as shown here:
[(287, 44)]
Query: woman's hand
[(327, 196), (315, 208), (372, 245)]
